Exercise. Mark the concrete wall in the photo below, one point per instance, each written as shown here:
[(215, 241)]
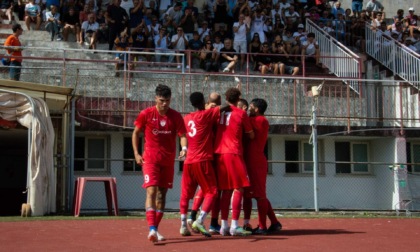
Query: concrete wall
[(335, 191)]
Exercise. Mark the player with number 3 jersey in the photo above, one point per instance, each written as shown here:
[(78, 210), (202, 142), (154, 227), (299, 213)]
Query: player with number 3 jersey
[(198, 169)]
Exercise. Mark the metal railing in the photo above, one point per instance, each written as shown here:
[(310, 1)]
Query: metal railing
[(92, 76), (395, 56), (339, 59)]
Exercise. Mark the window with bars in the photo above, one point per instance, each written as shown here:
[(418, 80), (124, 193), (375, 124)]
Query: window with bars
[(302, 153), (352, 152), (129, 161), (91, 153)]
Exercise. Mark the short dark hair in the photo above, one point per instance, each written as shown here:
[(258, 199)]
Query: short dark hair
[(16, 27), (311, 35), (163, 91), (233, 95), (261, 104), (245, 102), (197, 99)]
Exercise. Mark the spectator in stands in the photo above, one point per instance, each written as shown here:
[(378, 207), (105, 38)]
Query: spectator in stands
[(122, 42), (71, 24), (325, 28), (83, 15), (136, 14), (147, 18), (326, 16), (340, 28), (310, 50), (153, 8), (278, 27), (228, 58), (323, 5), (179, 42), (412, 21), (222, 33), (117, 20), (276, 12), (127, 5), (188, 22), (291, 45), (53, 25), (359, 35), (32, 15), (409, 43), (153, 30), (195, 45), (254, 47), (14, 49), (378, 17), (164, 5), (282, 59), (300, 35), (218, 44), (265, 62), (140, 36), (416, 40), (208, 58), (204, 30), (337, 9), (278, 41), (399, 16), (314, 15), (220, 10), (240, 29), (257, 24), (6, 8), (194, 10), (90, 31), (268, 28), (357, 6), (173, 15), (374, 6), (284, 5), (103, 27), (162, 42), (292, 14)]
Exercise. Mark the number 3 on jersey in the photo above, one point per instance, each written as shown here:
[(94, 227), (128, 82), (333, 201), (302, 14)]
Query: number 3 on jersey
[(193, 130), (225, 117)]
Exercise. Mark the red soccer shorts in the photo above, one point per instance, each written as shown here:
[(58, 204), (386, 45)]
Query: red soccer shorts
[(258, 178), (200, 173), (231, 172), (158, 175)]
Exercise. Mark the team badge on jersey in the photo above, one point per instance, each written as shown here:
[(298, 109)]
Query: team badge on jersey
[(162, 123)]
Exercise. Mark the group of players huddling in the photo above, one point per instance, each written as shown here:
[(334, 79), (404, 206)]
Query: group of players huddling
[(224, 157)]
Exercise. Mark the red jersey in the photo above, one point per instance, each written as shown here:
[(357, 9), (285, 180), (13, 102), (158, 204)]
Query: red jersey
[(160, 134), (200, 134), (230, 130), (254, 150)]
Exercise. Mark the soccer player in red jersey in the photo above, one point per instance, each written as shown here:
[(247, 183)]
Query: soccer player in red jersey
[(230, 167), (198, 166), (257, 167), (160, 125), (213, 101)]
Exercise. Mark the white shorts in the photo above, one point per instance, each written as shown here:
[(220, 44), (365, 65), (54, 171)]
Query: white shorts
[(240, 46)]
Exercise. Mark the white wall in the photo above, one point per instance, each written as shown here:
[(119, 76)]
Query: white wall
[(336, 191)]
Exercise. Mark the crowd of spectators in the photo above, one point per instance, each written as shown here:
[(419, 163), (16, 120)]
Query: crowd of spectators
[(404, 29), (206, 27)]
